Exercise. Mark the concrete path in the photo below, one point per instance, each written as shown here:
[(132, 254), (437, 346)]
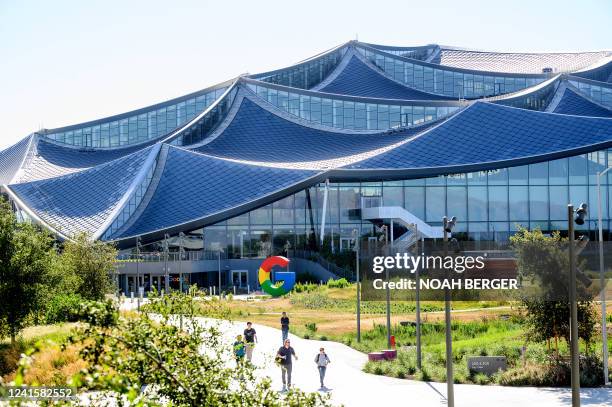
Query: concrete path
[(350, 386)]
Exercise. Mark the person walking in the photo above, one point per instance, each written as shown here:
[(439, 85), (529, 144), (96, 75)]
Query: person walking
[(283, 357), (322, 360), (239, 350), (284, 326), (250, 339)]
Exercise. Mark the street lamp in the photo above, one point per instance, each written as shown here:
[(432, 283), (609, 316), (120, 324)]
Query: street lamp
[(166, 274), (138, 246), (358, 283), (181, 253), (448, 226), (602, 279), (572, 217)]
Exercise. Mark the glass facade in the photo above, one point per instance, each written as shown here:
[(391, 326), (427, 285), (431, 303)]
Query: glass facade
[(351, 114), (489, 205), (535, 100), (600, 94), (307, 74), (206, 124), (131, 205), (420, 53), (448, 82), (137, 128)]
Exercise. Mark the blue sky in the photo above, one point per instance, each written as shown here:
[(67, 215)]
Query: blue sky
[(63, 62)]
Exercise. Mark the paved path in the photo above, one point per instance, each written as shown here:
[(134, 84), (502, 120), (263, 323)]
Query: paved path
[(350, 386)]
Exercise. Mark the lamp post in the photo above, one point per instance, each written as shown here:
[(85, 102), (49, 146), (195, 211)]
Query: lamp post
[(358, 283), (166, 273), (574, 350), (181, 253), (418, 298), (219, 266), (138, 245), (388, 292), (448, 226), (602, 279)]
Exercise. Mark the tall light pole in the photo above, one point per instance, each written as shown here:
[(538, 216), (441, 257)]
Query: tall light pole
[(418, 298), (448, 226), (602, 279), (574, 350), (219, 265), (358, 283), (388, 292), (138, 245), (181, 252), (166, 273)]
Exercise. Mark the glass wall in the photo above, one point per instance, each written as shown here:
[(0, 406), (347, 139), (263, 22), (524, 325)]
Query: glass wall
[(137, 128), (206, 124), (447, 81), (307, 74), (420, 53), (490, 205), (535, 100), (351, 114), (132, 204), (600, 94)]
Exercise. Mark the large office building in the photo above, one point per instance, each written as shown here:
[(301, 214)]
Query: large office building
[(307, 156)]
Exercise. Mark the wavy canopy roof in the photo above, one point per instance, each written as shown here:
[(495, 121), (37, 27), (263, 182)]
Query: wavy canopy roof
[(357, 77), (255, 144), (518, 62)]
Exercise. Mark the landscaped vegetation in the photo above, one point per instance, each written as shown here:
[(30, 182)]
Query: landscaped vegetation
[(53, 312)]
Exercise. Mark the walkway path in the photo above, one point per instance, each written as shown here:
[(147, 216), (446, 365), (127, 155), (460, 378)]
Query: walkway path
[(350, 386)]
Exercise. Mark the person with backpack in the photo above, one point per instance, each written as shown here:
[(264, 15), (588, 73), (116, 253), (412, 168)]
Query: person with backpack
[(322, 360), (239, 350), (250, 338), (284, 326), (283, 358)]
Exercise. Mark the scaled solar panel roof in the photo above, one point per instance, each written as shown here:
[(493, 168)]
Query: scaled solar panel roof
[(487, 135), (574, 103), (195, 186), (12, 158), (520, 62), (35, 158), (358, 78), (82, 201), (258, 135)]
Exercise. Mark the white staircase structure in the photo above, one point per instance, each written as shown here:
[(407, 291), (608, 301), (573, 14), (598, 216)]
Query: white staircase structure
[(372, 208)]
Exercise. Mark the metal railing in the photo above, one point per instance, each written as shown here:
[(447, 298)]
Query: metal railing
[(155, 257), (326, 264), (373, 201)]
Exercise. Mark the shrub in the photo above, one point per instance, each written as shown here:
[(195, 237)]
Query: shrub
[(311, 327), (63, 308), (339, 283), (481, 378)]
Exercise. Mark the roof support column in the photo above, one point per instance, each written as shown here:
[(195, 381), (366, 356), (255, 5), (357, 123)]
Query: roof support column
[(324, 214)]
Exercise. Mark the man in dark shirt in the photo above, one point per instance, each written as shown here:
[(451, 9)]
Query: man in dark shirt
[(250, 339), (284, 326), (284, 359)]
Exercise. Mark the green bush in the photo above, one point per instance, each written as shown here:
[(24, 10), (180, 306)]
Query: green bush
[(311, 327), (339, 283), (305, 287), (63, 308)]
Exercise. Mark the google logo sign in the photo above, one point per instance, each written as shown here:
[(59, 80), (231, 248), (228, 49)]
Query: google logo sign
[(285, 279)]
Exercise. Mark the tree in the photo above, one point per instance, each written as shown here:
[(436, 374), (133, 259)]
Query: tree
[(91, 263), (544, 261), (27, 254)]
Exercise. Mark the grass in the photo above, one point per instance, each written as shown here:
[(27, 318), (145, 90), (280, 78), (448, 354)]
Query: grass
[(51, 365)]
